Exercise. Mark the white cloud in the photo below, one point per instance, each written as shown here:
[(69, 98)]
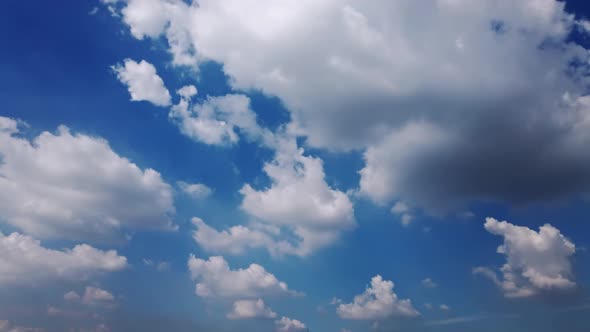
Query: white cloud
[(97, 296), (187, 91), (286, 324), (300, 199), (377, 302), (428, 283), (248, 309), (143, 82), (145, 17), (195, 190), (23, 261), (149, 18), (76, 187), (158, 265), (216, 120), (215, 279), (71, 296), (584, 25), (470, 69), (400, 208), (93, 297), (444, 307), (535, 261), (407, 219), (6, 326), (237, 239)]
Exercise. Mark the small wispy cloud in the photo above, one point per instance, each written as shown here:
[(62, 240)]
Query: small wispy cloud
[(468, 319)]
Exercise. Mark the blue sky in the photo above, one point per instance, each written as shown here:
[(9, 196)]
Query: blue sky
[(327, 143)]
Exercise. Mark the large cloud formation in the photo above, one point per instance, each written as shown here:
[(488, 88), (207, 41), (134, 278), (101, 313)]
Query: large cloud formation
[(315, 218), (535, 261), (73, 186), (451, 100)]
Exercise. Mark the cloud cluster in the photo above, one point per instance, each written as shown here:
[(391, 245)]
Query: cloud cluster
[(23, 261), (245, 287), (299, 202), (215, 279), (424, 88), (73, 186), (299, 198), (315, 218), (535, 261), (377, 302), (286, 324), (215, 120)]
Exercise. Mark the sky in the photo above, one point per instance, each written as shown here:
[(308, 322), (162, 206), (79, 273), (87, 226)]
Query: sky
[(294, 165)]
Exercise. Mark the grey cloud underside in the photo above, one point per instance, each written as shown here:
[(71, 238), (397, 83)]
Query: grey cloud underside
[(496, 157)]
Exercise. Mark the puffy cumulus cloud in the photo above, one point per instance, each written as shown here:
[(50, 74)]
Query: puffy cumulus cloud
[(6, 326), (377, 302), (535, 261), (143, 82), (299, 213), (195, 190), (300, 199), (249, 309), (23, 261), (286, 324), (93, 296), (74, 186), (215, 279), (445, 76), (215, 120)]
